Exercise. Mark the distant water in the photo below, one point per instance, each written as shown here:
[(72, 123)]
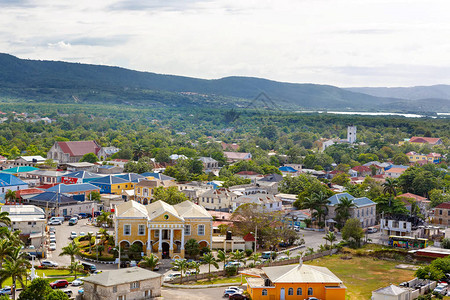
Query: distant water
[(374, 113)]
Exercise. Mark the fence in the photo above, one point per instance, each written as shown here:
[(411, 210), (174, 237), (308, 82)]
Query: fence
[(419, 286)]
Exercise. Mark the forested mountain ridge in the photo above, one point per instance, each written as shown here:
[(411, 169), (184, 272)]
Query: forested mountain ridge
[(67, 82), (440, 91)]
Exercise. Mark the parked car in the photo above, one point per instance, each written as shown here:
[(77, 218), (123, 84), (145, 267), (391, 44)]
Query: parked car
[(189, 273), (172, 276), (82, 233), (73, 221), (312, 298), (52, 229), (6, 291), (441, 289), (59, 283), (228, 292), (73, 235), (67, 217), (235, 288), (238, 297), (233, 264), (52, 239), (89, 267), (77, 282), (55, 222), (77, 216), (69, 293), (81, 291), (48, 263), (52, 247), (372, 230), (268, 254)]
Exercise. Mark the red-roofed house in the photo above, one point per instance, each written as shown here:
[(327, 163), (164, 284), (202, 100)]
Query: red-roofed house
[(27, 193), (442, 214), (362, 171), (422, 202), (237, 156), (426, 140), (70, 152)]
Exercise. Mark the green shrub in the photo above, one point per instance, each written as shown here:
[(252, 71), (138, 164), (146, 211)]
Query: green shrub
[(248, 252), (231, 271)]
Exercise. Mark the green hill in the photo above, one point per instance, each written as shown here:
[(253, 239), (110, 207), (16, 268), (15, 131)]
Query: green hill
[(67, 82)]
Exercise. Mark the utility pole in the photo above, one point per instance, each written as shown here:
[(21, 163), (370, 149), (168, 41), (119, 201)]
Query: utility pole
[(256, 237)]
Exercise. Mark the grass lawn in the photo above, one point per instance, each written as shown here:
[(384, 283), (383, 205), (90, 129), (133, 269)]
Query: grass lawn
[(362, 275), (235, 279)]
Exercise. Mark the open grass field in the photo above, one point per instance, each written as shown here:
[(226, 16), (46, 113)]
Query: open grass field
[(50, 275), (362, 275)]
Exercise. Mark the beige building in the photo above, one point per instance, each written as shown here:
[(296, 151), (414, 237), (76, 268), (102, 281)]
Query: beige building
[(123, 284), (144, 190), (161, 228), (219, 199)]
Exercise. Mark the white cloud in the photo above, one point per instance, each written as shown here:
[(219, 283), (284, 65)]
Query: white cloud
[(344, 43)]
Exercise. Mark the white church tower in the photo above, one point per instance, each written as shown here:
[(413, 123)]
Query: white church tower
[(351, 134)]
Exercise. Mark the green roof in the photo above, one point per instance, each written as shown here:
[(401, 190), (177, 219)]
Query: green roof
[(19, 170)]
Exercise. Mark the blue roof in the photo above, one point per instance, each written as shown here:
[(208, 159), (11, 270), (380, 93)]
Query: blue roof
[(287, 169), (10, 180), (52, 197), (131, 177), (82, 174), (19, 170), (72, 188), (109, 180), (359, 202), (159, 176), (106, 167)]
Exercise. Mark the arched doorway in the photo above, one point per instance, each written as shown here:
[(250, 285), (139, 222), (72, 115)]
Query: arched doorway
[(165, 250), (145, 202), (138, 246), (124, 245), (203, 244)]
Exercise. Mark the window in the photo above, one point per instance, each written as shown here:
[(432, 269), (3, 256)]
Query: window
[(148, 294), (362, 212), (123, 297), (156, 233), (264, 292), (310, 291), (404, 225), (212, 200), (440, 211), (299, 292), (187, 229), (127, 229), (134, 285), (358, 213), (141, 229), (115, 289), (139, 190), (201, 229), (290, 291)]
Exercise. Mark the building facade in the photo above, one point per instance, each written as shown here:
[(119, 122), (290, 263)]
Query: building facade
[(162, 229), (219, 199), (69, 152), (442, 214), (364, 209)]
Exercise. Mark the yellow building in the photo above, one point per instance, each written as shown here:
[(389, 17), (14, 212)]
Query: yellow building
[(112, 184), (161, 228), (296, 282), (414, 157), (144, 189)]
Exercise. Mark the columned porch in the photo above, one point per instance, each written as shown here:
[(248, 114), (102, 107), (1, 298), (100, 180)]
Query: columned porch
[(166, 240)]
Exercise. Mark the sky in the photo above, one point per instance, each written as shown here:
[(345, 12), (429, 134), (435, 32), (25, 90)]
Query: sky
[(339, 42)]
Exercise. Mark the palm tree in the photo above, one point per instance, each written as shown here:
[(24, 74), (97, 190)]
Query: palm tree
[(330, 237), (343, 209), (195, 265), (74, 267), (71, 250), (89, 237), (288, 253), (255, 257), (4, 218), (222, 256), (321, 202), (150, 261), (100, 249), (238, 256), (309, 203), (209, 259), (182, 265), (104, 218), (104, 233), (15, 266), (11, 196), (390, 186), (5, 250)]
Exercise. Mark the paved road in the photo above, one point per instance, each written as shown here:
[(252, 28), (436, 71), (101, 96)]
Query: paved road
[(183, 294)]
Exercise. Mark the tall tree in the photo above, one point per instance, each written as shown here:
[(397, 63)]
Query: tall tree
[(182, 265), (389, 186), (70, 250), (343, 210), (208, 259), (150, 261), (15, 266)]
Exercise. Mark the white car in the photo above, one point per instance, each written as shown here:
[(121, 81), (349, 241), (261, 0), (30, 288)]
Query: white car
[(78, 281), (73, 235), (52, 246), (172, 276), (48, 263), (441, 289), (52, 239), (52, 229), (372, 230), (82, 233), (235, 288), (55, 222)]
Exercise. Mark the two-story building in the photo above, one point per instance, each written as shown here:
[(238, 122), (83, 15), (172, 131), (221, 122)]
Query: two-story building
[(112, 184), (124, 284), (28, 161), (217, 199), (161, 228), (264, 202), (296, 282), (144, 190), (398, 227), (364, 209), (415, 157), (442, 214)]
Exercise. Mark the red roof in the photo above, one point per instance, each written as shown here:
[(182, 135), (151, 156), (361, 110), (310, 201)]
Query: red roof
[(335, 172), (412, 196), (249, 237), (31, 191), (427, 140), (247, 173), (360, 169), (445, 205), (120, 160), (233, 146), (47, 186), (79, 148)]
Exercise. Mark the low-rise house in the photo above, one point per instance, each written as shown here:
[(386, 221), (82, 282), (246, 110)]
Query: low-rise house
[(21, 172), (132, 177), (362, 171), (79, 177), (75, 189), (10, 182), (28, 161), (422, 202), (109, 169), (106, 152), (119, 162), (123, 284), (253, 176), (415, 157), (23, 195), (209, 163), (285, 170), (229, 147), (364, 209), (112, 184), (398, 227), (296, 282), (420, 140), (70, 152), (144, 190), (46, 176), (395, 172), (442, 214), (59, 204), (160, 176), (81, 166), (194, 189), (270, 182), (391, 292), (30, 220), (217, 199), (264, 202), (237, 156), (161, 228)]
